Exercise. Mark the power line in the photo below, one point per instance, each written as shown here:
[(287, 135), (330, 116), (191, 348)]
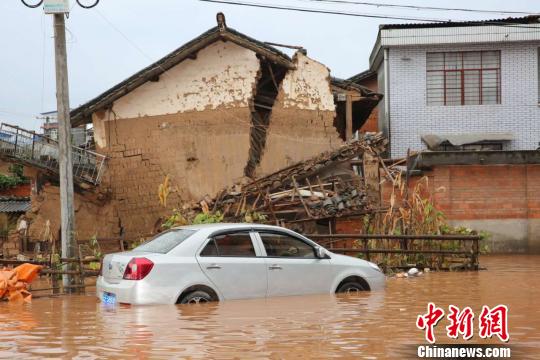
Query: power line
[(123, 35), (415, 7), (367, 15), (320, 11)]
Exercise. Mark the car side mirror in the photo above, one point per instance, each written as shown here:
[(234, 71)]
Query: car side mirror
[(320, 253)]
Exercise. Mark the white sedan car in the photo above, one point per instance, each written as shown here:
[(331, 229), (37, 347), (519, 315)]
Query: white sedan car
[(202, 263)]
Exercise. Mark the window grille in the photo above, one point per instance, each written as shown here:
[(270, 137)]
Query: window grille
[(463, 78)]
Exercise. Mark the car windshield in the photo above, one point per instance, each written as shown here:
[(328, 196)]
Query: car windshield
[(165, 242)]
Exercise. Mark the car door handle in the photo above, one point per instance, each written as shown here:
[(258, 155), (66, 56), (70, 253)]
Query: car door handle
[(275, 267), (213, 266)]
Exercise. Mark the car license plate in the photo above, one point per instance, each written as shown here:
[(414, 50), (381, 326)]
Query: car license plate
[(108, 298)]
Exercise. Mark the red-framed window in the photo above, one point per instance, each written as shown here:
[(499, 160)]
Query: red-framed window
[(463, 78)]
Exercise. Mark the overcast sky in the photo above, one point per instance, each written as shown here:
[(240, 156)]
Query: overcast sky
[(120, 37)]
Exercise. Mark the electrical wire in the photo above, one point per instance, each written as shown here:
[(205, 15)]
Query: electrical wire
[(366, 15), (88, 6), (132, 43), (321, 11), (123, 35), (415, 7), (32, 6)]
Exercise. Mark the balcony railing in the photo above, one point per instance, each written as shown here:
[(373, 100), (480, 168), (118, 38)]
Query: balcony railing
[(40, 151)]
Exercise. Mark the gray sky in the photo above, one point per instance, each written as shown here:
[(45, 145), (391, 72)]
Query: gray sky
[(99, 56)]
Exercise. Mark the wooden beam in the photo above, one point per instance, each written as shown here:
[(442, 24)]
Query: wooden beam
[(348, 118)]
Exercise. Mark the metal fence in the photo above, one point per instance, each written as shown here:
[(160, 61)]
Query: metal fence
[(40, 151)]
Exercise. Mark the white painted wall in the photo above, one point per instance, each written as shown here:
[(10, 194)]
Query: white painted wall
[(308, 86), (223, 74), (518, 113)]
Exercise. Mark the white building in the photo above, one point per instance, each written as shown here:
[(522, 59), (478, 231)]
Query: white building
[(459, 85)]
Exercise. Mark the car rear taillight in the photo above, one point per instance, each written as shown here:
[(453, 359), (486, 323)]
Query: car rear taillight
[(138, 268)]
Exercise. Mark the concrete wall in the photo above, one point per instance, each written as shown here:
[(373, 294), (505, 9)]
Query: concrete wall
[(518, 112)]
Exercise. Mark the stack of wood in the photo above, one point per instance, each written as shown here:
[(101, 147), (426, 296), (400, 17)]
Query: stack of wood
[(322, 187)]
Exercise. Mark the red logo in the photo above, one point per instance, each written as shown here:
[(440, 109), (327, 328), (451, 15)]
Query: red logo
[(429, 320), (461, 322), (492, 321)]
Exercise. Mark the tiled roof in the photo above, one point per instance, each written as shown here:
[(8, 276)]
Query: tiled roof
[(361, 76), (530, 19), (80, 114), (12, 204)]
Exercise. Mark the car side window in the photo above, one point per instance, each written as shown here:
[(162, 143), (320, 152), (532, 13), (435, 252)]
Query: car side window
[(210, 249), (283, 245), (233, 244)]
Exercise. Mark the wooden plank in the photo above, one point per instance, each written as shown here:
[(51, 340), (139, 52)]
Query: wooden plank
[(348, 118)]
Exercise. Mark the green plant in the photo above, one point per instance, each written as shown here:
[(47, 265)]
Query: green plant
[(208, 218), (254, 217), (175, 219), (94, 246), (16, 178)]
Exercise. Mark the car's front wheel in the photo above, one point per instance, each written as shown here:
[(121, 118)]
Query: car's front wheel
[(196, 297), (350, 287)]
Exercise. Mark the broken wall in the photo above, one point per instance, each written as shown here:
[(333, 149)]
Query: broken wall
[(94, 214), (301, 123), (194, 123)]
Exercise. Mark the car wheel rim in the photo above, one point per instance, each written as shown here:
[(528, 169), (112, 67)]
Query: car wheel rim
[(197, 300), (352, 290)]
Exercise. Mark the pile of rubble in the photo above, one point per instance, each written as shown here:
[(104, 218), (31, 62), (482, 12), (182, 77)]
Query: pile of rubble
[(322, 187)]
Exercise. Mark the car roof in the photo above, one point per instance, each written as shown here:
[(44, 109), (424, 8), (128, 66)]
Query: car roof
[(226, 226)]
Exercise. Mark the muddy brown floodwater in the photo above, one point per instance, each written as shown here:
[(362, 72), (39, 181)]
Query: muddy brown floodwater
[(376, 325)]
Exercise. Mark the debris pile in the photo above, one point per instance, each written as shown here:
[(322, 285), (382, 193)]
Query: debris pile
[(322, 187)]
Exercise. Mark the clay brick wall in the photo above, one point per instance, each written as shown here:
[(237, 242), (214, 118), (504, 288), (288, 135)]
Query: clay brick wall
[(503, 200)]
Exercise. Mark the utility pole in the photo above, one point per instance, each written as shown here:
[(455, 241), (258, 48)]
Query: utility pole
[(67, 213), (60, 9)]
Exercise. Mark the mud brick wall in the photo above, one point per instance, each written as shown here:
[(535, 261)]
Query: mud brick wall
[(194, 125), (301, 123), (11, 246), (94, 214), (200, 152)]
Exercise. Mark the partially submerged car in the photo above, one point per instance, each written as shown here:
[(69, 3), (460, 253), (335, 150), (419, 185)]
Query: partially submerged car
[(214, 262)]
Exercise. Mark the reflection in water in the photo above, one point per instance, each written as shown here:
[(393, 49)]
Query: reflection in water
[(370, 325)]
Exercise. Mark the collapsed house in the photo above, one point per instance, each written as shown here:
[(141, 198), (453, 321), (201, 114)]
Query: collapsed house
[(307, 194), (220, 108)]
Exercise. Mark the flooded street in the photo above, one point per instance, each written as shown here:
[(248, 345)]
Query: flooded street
[(372, 325)]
